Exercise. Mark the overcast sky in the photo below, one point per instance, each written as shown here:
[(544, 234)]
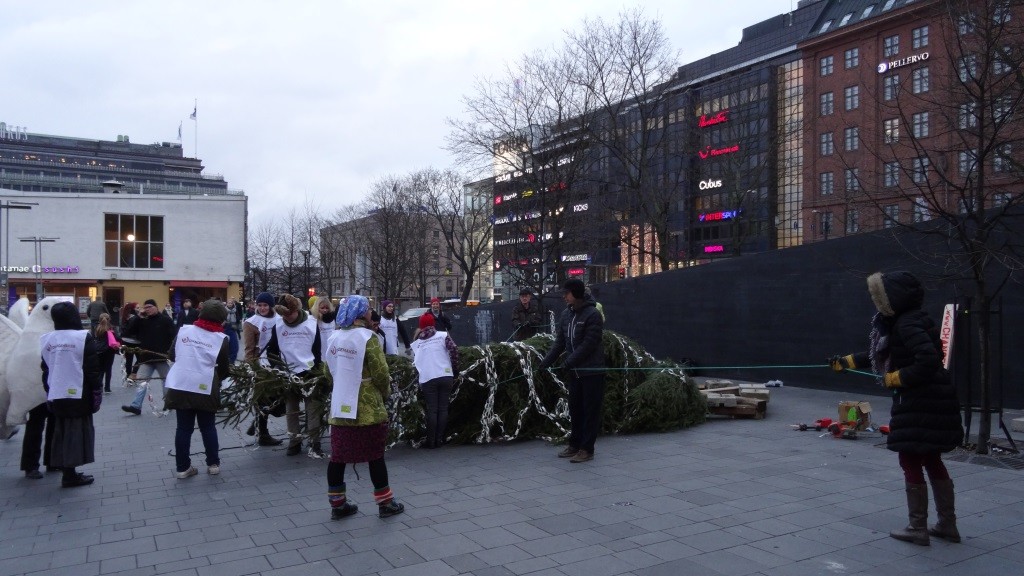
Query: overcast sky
[(296, 100)]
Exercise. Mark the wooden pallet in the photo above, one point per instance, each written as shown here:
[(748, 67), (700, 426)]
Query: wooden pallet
[(744, 408)]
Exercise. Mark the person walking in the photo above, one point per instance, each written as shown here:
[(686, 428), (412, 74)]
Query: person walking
[(526, 316), (107, 347), (256, 332), (230, 328), (129, 316), (74, 392), (187, 315), (294, 347), (156, 335), (392, 328), (93, 311), (436, 358), (906, 353), (579, 334), (201, 361), (361, 384)]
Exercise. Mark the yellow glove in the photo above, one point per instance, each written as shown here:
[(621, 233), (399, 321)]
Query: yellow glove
[(841, 363), (892, 380)]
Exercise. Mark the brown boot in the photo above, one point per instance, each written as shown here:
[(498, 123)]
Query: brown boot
[(917, 507), (945, 528)]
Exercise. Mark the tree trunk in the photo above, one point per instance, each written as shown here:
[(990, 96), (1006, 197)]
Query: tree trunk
[(984, 381)]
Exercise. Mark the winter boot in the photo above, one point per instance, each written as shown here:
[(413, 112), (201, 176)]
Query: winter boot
[(340, 506), (265, 439), (917, 507), (944, 508), (386, 505)]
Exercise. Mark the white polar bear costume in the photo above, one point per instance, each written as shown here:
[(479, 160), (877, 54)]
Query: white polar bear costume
[(24, 374), (9, 334)]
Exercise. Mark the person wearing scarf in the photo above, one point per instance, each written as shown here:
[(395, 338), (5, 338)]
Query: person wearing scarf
[(361, 384), (256, 332), (906, 354), (201, 355)]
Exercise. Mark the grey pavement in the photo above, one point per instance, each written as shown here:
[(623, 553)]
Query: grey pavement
[(729, 497)]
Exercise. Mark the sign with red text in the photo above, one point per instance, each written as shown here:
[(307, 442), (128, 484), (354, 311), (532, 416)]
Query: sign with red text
[(946, 333), (704, 121)]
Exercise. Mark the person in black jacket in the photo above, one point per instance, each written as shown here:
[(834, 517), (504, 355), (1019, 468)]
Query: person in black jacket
[(74, 391), (441, 320), (156, 335), (579, 333), (526, 317), (905, 351)]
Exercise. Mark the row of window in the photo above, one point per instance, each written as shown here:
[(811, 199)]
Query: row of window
[(890, 48), (921, 213), (966, 164)]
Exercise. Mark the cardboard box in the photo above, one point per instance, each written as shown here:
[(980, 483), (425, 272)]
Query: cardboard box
[(852, 411)]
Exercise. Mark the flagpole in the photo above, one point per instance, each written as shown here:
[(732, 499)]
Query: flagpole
[(195, 118)]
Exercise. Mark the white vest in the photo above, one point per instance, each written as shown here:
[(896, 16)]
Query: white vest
[(195, 356), (296, 343), (264, 325), (346, 350), (390, 329), (64, 351), (431, 357), (326, 329)]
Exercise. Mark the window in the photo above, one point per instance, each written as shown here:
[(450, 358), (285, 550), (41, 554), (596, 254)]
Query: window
[(1001, 160), (827, 104), (921, 210), (133, 241), (1000, 200), (827, 183), (891, 130), (1001, 109), (919, 80), (867, 11), (1001, 61), (1001, 13), (851, 137), (965, 23), (888, 5), (852, 221), (852, 176), (852, 95), (891, 46), (892, 215), (920, 124), (825, 26), (892, 174), (919, 38), (827, 145), (968, 67), (920, 170), (968, 115), (826, 65), (826, 224), (890, 87), (967, 160), (846, 19), (851, 58)]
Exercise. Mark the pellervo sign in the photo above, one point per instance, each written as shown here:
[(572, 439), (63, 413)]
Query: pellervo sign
[(886, 66)]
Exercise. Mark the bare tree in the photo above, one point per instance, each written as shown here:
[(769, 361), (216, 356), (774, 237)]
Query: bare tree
[(396, 225), (464, 219), (949, 152), (264, 245)]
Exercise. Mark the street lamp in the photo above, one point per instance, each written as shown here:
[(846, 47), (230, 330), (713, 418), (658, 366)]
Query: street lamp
[(305, 272), (38, 268), (11, 205)]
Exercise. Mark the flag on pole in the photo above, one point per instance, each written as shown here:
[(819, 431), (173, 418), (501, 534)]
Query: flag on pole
[(193, 116), (179, 131)]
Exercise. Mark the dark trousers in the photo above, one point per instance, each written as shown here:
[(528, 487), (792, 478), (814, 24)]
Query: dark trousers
[(915, 465), (187, 420), (229, 329), (129, 361), (107, 366), (38, 419), (586, 393), (378, 473), (437, 393)]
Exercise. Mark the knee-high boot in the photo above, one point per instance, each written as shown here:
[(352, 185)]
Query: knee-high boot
[(945, 509), (917, 508)]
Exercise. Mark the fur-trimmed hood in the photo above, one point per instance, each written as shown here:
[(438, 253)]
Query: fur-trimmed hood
[(895, 292)]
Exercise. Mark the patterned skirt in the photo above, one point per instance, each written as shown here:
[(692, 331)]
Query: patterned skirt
[(354, 444)]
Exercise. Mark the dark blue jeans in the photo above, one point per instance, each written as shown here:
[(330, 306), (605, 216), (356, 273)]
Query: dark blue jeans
[(229, 329), (187, 420), (437, 393), (586, 393)]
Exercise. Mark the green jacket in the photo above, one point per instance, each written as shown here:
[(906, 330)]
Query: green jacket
[(375, 388)]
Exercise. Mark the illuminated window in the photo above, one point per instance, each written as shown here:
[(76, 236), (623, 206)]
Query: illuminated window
[(852, 177), (967, 160), (851, 58), (1001, 162), (891, 130), (846, 19), (133, 241), (1001, 13), (826, 65), (890, 87), (919, 38), (919, 80), (921, 210), (968, 116), (891, 46), (920, 170), (892, 215), (888, 5), (852, 221), (852, 97)]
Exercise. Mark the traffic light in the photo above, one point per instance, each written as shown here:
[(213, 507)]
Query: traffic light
[(311, 291), (622, 272)]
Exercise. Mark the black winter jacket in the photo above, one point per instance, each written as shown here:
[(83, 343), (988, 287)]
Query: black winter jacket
[(925, 415), (183, 400), (579, 334), (92, 386)]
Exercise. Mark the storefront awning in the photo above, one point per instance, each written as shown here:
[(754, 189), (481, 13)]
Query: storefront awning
[(198, 284)]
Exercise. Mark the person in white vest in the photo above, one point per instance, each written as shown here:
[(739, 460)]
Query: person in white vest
[(295, 347), (201, 355), (392, 328), (256, 332), (74, 391), (361, 384), (436, 358), (323, 311)]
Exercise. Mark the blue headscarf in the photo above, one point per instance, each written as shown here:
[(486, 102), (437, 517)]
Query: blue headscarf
[(355, 306)]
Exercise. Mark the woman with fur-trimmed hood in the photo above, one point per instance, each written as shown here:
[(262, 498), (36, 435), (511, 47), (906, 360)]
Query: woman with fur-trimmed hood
[(906, 353)]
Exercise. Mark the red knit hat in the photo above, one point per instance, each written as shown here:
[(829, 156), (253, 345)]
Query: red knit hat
[(435, 300), (426, 320)]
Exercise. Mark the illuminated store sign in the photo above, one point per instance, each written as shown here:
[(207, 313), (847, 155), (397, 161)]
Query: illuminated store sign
[(886, 66), (714, 216), (714, 248), (581, 207), (722, 116), (576, 258), (42, 269), (577, 271), (708, 151), (709, 184)]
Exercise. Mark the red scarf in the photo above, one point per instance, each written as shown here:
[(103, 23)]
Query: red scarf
[(209, 326)]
